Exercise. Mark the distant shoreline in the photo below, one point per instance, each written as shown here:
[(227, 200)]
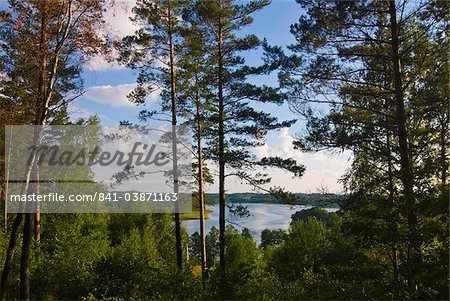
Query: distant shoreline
[(329, 200), (304, 199)]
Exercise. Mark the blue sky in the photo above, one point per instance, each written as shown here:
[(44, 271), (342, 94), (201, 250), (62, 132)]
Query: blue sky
[(107, 85), (271, 23)]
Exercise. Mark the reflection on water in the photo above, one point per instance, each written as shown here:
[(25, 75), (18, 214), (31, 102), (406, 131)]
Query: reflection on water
[(262, 216)]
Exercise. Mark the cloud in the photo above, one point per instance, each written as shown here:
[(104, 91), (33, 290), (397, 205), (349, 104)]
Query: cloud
[(322, 169), (117, 25), (117, 19), (279, 145), (99, 63), (115, 96), (76, 112), (331, 161)]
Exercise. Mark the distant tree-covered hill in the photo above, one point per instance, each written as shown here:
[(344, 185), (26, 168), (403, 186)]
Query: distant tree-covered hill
[(310, 199)]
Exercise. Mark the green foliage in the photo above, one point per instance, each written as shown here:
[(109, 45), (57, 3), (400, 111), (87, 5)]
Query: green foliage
[(244, 265), (364, 75), (132, 257), (270, 238), (211, 245), (72, 245), (320, 214), (304, 240)]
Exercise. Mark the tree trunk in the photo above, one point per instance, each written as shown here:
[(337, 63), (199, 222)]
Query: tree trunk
[(394, 219), (15, 227), (5, 208), (201, 200), (443, 153), (37, 216), (37, 229), (25, 259), (5, 216), (42, 110), (405, 163), (40, 120), (14, 236), (221, 153), (174, 137)]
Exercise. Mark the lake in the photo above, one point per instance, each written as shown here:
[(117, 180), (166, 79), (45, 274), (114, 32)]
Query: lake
[(262, 216)]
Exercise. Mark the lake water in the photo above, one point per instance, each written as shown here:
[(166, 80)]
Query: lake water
[(262, 216)]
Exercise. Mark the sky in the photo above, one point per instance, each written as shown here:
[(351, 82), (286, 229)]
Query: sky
[(107, 85)]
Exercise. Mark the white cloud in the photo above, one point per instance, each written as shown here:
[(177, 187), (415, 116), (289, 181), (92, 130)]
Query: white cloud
[(335, 161), (99, 63), (117, 19), (115, 96), (281, 146), (322, 169), (76, 112), (117, 25)]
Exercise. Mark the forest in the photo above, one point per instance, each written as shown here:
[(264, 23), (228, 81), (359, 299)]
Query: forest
[(368, 77)]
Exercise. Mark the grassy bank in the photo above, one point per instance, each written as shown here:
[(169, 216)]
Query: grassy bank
[(195, 215)]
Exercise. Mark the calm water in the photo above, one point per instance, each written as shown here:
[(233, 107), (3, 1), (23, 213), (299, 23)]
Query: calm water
[(262, 216)]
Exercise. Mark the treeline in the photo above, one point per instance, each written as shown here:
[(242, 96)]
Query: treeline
[(132, 256), (307, 199)]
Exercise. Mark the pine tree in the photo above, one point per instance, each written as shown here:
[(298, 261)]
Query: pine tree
[(152, 51), (195, 92), (44, 43), (364, 60), (236, 126)]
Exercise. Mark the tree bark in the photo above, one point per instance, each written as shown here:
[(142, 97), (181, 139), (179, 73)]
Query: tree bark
[(40, 120), (221, 149), (37, 217), (25, 259), (15, 227), (201, 200), (15, 235), (5, 208), (5, 216), (42, 104), (405, 163), (394, 219), (443, 153), (179, 249)]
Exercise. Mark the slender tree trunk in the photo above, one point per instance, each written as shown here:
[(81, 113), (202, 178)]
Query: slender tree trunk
[(44, 96), (443, 153), (37, 229), (405, 163), (42, 93), (221, 151), (25, 259), (393, 218), (40, 120), (174, 136), (201, 199), (37, 220), (15, 227), (7, 180), (5, 207), (15, 235)]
